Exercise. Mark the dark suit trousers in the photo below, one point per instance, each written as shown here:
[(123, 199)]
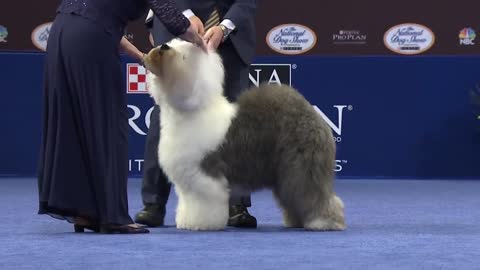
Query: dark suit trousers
[(155, 185)]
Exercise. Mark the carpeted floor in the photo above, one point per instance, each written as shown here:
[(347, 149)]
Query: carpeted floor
[(397, 224)]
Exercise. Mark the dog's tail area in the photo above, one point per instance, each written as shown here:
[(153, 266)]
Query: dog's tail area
[(305, 179)]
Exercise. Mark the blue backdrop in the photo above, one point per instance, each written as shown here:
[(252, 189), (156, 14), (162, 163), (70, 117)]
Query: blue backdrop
[(392, 116)]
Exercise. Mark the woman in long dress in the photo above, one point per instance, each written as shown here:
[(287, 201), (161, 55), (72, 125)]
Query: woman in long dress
[(83, 164)]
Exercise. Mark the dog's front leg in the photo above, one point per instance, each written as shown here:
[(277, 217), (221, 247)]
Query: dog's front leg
[(202, 204)]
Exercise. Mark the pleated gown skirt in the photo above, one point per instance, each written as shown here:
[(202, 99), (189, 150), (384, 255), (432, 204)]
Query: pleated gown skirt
[(83, 165)]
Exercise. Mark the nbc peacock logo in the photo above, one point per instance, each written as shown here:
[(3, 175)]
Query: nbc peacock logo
[(467, 36)]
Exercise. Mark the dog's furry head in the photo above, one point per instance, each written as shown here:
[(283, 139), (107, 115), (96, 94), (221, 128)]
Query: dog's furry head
[(183, 76)]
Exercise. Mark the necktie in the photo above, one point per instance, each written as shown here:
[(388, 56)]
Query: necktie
[(213, 20)]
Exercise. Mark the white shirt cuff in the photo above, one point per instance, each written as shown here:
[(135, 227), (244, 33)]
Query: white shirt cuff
[(149, 16), (228, 24), (188, 13)]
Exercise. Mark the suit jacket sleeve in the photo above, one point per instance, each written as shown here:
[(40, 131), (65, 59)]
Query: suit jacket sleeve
[(184, 4), (240, 13), (170, 15), (159, 28)]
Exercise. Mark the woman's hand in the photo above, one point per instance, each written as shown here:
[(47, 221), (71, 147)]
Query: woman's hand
[(191, 35), (131, 50), (197, 25)]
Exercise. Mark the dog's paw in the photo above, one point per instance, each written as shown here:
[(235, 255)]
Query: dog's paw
[(203, 227), (194, 223), (320, 224), (201, 217)]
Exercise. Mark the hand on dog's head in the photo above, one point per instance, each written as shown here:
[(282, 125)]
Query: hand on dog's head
[(162, 57)]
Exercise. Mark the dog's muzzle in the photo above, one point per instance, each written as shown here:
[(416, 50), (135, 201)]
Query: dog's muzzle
[(164, 47)]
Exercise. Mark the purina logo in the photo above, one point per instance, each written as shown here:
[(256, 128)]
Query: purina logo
[(136, 79), (139, 120), (467, 36), (409, 38), (40, 36), (270, 73), (291, 39)]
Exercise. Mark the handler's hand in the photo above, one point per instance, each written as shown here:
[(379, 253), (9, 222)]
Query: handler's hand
[(191, 35), (197, 25), (214, 37)]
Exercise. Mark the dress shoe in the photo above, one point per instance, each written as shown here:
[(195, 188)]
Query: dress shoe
[(122, 229), (240, 218), (152, 215), (81, 228), (81, 224)]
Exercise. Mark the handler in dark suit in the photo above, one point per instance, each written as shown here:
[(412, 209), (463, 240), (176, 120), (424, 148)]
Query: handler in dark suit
[(229, 27)]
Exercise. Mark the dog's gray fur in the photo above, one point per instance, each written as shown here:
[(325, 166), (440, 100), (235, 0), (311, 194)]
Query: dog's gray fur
[(278, 141)]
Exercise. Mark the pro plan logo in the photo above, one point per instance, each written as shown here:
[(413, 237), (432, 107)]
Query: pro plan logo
[(271, 74), (3, 34), (467, 36), (40, 36), (349, 37), (136, 79), (409, 39), (291, 39)]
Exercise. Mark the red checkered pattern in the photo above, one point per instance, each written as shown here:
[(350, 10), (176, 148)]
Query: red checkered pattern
[(136, 79)]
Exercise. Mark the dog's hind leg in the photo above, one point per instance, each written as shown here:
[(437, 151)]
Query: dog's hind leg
[(304, 188), (202, 203), (327, 216), (308, 205), (291, 218), (322, 209)]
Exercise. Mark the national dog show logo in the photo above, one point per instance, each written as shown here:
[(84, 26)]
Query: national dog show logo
[(409, 39), (40, 36), (136, 79), (291, 39)]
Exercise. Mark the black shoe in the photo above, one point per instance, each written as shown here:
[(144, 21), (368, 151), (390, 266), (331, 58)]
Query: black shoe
[(122, 229), (81, 228), (239, 217), (152, 215)]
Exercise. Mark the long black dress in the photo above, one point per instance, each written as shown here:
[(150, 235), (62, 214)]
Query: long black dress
[(83, 164)]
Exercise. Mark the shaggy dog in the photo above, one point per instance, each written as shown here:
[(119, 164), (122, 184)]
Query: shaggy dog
[(271, 138)]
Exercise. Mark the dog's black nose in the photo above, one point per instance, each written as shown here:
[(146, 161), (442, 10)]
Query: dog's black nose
[(164, 47)]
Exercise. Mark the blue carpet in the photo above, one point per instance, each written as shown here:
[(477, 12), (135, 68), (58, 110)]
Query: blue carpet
[(392, 225)]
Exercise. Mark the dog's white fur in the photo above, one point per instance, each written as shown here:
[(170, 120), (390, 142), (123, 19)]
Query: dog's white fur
[(195, 118)]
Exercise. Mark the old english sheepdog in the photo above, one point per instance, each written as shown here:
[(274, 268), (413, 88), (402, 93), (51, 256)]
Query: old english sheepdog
[(270, 138)]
